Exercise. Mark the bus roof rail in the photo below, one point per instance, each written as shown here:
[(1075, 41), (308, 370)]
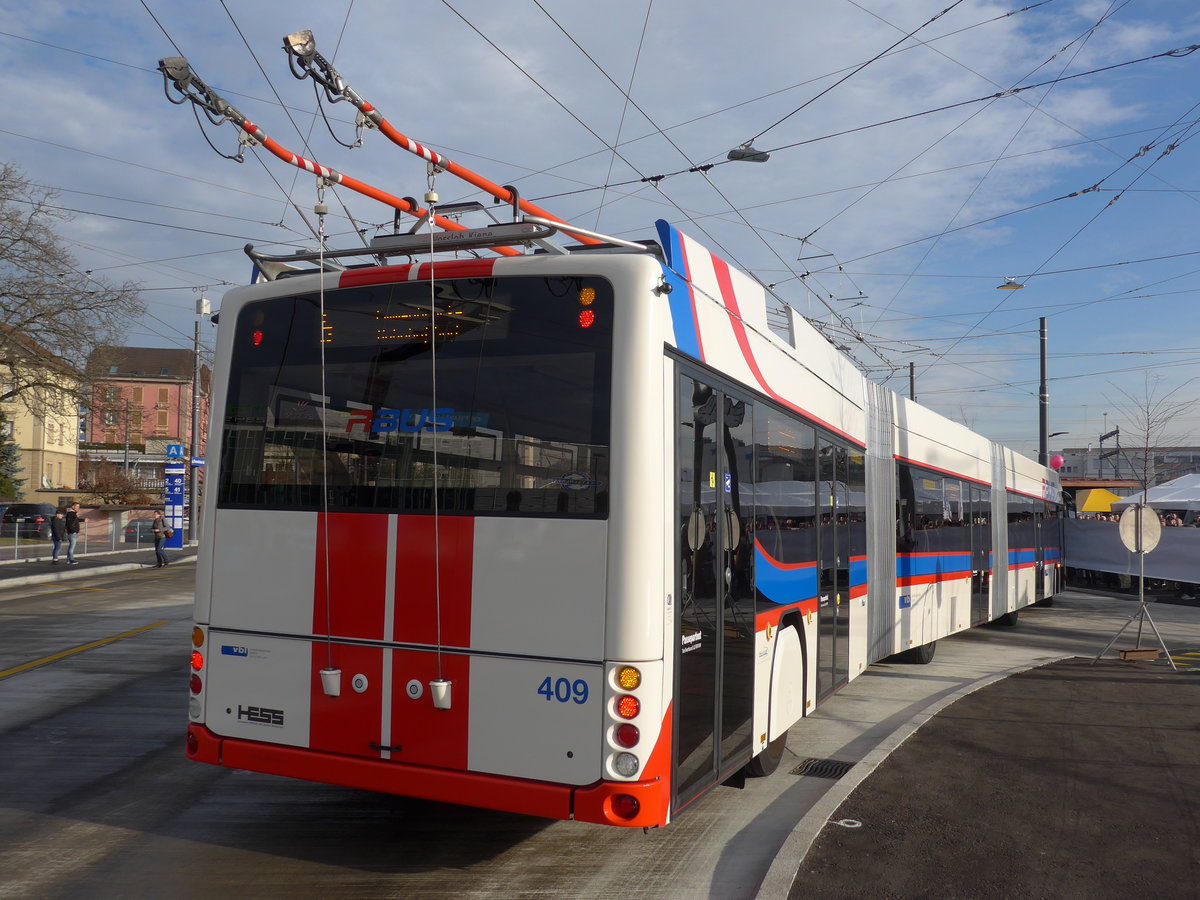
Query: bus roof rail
[(386, 245)]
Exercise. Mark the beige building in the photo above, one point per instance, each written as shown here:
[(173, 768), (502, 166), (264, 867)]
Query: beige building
[(44, 424)]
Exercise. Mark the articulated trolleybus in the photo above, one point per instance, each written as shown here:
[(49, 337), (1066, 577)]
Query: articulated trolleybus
[(570, 532)]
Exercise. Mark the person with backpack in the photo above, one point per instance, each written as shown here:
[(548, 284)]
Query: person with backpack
[(73, 527), (161, 531)]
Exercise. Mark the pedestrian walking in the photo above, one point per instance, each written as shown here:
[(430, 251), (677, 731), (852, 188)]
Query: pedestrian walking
[(73, 520), (161, 531), (58, 532)]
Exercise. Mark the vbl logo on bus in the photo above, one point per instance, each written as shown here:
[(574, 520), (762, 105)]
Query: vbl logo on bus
[(404, 421)]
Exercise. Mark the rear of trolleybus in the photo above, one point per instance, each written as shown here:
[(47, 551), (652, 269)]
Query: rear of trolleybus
[(433, 561)]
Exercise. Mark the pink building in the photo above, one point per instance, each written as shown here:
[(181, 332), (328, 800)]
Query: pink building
[(141, 401)]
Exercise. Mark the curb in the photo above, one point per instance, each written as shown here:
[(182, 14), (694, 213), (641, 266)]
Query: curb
[(73, 573), (777, 883)]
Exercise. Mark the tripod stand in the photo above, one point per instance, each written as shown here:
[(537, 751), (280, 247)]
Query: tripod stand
[(1140, 534)]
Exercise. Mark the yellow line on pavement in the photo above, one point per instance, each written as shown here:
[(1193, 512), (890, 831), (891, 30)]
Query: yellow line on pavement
[(45, 660)]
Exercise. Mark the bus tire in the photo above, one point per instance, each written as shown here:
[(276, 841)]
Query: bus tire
[(921, 656), (1009, 619), (768, 761), (1045, 601)]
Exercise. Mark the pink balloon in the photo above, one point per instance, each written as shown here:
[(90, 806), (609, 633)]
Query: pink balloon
[(1056, 462)]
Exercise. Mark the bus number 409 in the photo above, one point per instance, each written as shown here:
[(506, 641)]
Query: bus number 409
[(563, 690)]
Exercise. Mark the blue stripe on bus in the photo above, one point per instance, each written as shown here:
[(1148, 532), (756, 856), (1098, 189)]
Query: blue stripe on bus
[(916, 566), (683, 316), (1021, 557), (783, 585)]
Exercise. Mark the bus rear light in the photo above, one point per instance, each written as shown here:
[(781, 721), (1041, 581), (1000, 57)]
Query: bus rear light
[(628, 707), (197, 660), (626, 764), (257, 338), (587, 318), (587, 296), (195, 684), (623, 805), (626, 734), (197, 636), (629, 678)]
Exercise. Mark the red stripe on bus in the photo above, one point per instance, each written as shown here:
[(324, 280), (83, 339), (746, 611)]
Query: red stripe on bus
[(912, 580), (773, 617), (729, 299), (357, 571), (428, 736), (532, 798), (348, 723), (433, 604)]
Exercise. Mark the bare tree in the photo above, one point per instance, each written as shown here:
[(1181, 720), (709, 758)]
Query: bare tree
[(107, 483), (52, 316), (1150, 417)]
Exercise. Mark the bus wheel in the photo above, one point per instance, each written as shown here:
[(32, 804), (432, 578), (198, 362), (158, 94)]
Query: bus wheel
[(1009, 618), (1045, 601), (768, 761), (922, 655)]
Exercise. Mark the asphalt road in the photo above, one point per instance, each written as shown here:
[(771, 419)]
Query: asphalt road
[(98, 800)]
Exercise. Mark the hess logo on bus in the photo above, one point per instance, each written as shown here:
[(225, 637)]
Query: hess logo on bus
[(404, 421)]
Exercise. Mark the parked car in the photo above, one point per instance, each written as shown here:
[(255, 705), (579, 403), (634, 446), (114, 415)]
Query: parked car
[(140, 531), (29, 520)]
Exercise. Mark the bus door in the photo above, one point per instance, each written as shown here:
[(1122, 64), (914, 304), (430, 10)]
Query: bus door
[(833, 567), (978, 512), (714, 656)]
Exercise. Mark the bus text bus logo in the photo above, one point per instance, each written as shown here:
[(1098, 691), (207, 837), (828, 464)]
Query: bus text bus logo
[(260, 715), (404, 421)]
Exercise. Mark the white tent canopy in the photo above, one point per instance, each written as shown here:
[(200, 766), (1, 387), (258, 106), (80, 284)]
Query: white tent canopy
[(1181, 494)]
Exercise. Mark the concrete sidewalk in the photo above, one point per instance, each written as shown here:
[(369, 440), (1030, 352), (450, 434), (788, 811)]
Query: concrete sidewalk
[(1071, 779), (39, 569)]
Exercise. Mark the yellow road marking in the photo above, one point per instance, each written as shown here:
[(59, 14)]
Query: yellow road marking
[(45, 660)]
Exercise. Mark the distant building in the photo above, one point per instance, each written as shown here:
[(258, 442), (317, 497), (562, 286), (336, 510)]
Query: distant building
[(1163, 463), (39, 417), (142, 401), (40, 420)]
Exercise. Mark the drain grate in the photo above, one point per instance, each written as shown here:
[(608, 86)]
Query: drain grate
[(823, 768)]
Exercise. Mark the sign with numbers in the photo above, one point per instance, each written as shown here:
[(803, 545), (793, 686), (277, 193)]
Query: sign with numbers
[(174, 476)]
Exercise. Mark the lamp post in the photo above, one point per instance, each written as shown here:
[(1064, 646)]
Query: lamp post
[(1043, 399)]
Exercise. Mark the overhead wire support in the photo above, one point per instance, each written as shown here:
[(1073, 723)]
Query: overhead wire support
[(306, 62), (178, 73)]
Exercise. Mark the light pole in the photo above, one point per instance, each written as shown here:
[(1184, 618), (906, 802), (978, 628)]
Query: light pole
[(1043, 399)]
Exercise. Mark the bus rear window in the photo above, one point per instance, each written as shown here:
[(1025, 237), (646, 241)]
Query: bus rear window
[(519, 424)]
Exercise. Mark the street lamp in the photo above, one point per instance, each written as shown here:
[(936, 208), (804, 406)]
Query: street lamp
[(746, 153)]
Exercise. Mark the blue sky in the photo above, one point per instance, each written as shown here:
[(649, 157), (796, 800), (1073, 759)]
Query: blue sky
[(893, 235)]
